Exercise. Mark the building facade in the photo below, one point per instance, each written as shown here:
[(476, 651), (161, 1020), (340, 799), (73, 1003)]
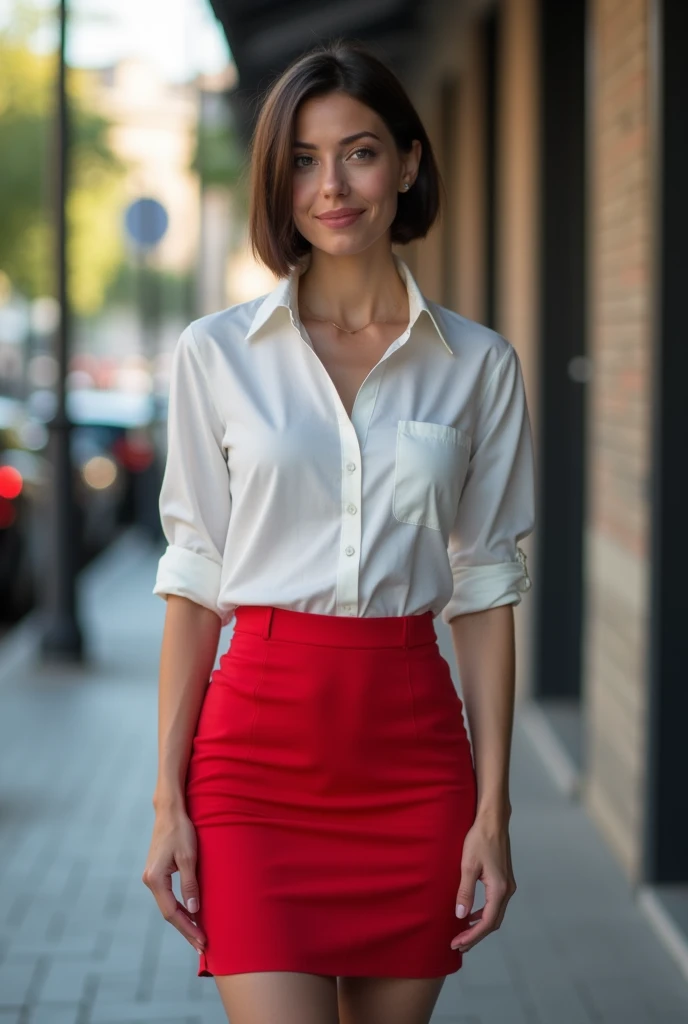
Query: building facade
[(564, 152)]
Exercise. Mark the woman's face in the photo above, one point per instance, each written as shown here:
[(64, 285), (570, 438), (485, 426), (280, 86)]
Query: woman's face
[(345, 158)]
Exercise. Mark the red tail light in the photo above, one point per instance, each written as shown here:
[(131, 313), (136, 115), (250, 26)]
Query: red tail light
[(11, 482), (134, 454)]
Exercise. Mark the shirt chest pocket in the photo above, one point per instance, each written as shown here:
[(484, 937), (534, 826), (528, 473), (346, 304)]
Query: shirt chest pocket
[(429, 471)]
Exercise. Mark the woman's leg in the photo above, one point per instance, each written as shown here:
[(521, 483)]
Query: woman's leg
[(279, 997), (388, 1000)]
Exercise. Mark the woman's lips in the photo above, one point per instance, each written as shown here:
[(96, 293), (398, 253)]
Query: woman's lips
[(340, 222)]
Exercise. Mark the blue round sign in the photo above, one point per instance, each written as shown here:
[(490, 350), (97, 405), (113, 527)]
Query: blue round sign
[(146, 221)]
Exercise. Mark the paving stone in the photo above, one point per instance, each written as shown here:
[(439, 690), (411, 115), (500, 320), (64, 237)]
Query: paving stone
[(55, 1013), (129, 1013), (17, 978), (462, 1018), (66, 981), (491, 1004)]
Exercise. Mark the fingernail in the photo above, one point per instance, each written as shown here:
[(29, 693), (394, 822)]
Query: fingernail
[(192, 905), (460, 910)]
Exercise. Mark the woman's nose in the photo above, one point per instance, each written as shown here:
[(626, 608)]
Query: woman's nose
[(333, 178)]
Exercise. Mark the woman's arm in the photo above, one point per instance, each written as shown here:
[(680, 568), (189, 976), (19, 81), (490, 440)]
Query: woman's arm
[(496, 510), (195, 507), (189, 647), (484, 648)]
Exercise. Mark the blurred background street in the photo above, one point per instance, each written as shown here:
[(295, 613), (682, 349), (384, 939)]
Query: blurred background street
[(559, 129)]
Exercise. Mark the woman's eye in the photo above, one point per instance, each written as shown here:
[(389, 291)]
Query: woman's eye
[(363, 152)]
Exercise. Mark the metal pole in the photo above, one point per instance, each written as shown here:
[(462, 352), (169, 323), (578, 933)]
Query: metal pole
[(62, 637)]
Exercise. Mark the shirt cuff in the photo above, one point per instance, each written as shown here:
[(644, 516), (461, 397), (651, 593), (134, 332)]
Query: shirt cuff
[(477, 587), (188, 574)]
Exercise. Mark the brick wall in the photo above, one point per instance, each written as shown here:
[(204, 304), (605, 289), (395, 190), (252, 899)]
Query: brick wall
[(618, 425), (469, 182), (517, 237)]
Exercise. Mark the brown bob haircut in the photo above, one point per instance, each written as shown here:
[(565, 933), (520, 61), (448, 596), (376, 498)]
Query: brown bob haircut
[(344, 66)]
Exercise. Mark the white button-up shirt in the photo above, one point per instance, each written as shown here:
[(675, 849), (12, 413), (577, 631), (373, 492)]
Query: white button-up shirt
[(273, 495)]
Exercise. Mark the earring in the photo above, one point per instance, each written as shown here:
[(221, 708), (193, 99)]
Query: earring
[(406, 185)]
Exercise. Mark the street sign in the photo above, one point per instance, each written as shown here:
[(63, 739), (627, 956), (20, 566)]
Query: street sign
[(146, 222)]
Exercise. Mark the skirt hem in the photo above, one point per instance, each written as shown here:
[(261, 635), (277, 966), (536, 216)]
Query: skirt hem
[(354, 971)]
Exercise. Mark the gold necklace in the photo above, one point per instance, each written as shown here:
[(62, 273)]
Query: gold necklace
[(346, 331)]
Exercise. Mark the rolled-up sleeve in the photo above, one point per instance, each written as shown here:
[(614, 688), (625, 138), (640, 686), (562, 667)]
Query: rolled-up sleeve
[(497, 505), (195, 499)]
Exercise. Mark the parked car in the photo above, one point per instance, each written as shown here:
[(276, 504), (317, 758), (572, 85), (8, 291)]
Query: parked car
[(116, 473), (114, 448), (24, 480)]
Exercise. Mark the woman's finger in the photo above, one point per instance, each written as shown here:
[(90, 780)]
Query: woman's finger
[(188, 928), (465, 897), (495, 896), (173, 911), (188, 883)]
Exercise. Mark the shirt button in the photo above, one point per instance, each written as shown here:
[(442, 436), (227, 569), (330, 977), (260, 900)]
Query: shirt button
[(351, 466), (351, 509), (349, 550)]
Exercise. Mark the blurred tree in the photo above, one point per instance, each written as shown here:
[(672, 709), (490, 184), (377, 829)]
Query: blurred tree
[(26, 179), (219, 158), (172, 287)]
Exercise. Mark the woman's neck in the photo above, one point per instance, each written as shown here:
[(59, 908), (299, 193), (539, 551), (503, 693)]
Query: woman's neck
[(353, 290)]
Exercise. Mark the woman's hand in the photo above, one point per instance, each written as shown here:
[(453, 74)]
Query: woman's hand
[(486, 856), (173, 848)]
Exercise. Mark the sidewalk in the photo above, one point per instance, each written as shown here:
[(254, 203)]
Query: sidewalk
[(82, 940)]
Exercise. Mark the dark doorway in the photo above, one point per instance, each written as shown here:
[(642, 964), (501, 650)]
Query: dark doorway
[(562, 369), (666, 820)]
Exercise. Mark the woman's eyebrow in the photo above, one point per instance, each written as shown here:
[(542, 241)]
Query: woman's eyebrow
[(342, 142)]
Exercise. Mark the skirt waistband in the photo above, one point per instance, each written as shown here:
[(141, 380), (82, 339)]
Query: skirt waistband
[(292, 626)]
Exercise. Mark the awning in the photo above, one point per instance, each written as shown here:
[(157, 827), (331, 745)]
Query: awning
[(265, 35)]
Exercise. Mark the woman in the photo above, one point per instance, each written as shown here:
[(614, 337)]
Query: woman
[(347, 460)]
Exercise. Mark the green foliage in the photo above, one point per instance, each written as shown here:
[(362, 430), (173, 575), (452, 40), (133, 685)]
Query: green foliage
[(218, 158), (174, 291), (28, 181), (96, 257)]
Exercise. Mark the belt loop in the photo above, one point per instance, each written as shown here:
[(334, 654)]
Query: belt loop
[(405, 631), (267, 623)]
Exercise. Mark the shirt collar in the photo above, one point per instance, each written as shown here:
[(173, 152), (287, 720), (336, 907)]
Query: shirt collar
[(284, 295)]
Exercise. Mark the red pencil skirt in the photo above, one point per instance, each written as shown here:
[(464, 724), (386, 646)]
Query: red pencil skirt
[(331, 785)]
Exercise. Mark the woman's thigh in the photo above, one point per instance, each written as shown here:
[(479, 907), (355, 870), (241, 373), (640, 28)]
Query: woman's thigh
[(279, 997), (388, 1000)]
